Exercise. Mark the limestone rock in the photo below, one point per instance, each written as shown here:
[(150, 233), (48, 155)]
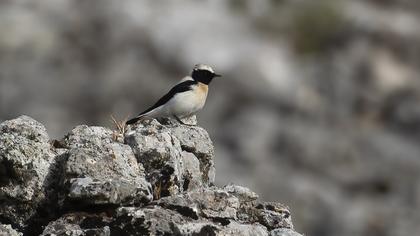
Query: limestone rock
[(244, 230), (274, 215), (210, 203), (25, 160), (244, 194), (90, 183), (196, 140), (146, 221), (101, 171), (77, 224), (233, 229), (171, 154)]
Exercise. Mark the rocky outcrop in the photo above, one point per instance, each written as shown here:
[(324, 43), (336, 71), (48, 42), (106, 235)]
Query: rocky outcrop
[(176, 158), (101, 171), (26, 161), (155, 179)]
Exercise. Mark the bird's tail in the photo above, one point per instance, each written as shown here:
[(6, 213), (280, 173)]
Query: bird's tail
[(134, 120)]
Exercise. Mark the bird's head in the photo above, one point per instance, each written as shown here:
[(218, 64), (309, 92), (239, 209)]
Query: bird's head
[(203, 73)]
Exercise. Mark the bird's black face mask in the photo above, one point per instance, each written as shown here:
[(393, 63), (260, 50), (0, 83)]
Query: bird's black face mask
[(204, 76)]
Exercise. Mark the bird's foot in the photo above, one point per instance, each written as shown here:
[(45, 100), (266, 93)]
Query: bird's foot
[(183, 123)]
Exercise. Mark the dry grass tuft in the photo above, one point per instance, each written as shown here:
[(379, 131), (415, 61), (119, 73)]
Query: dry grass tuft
[(157, 191), (119, 128)]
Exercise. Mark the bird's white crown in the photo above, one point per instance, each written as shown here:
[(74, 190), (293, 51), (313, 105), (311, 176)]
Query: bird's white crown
[(203, 67)]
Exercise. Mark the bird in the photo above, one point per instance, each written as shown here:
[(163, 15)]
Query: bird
[(184, 99)]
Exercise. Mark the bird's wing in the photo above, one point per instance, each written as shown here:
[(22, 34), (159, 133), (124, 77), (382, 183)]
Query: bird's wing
[(186, 78), (183, 86)]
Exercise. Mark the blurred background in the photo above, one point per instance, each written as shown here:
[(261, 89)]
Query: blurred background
[(319, 106)]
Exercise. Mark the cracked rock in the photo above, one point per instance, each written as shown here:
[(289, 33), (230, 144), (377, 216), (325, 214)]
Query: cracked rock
[(89, 183), (271, 215), (244, 229), (242, 193), (274, 215), (25, 160), (79, 224), (208, 203), (146, 221), (191, 178), (196, 140), (160, 154), (100, 171), (232, 229), (175, 160)]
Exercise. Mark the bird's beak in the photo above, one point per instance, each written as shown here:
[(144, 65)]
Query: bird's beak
[(216, 75)]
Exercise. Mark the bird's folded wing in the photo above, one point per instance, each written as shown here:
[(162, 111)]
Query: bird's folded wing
[(184, 86)]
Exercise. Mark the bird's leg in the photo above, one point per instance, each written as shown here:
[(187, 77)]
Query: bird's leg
[(179, 120)]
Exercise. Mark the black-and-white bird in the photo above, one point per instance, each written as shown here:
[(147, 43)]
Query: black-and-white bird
[(184, 99)]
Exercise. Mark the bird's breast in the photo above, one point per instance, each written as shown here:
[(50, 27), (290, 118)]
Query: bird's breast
[(189, 102), (201, 92)]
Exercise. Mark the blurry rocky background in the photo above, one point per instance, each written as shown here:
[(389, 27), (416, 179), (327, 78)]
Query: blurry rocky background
[(319, 106)]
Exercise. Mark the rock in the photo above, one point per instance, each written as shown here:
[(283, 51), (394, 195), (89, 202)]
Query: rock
[(197, 228), (153, 220), (170, 154), (284, 232), (161, 221), (76, 224), (274, 215), (88, 137), (101, 171), (233, 229), (192, 120), (7, 230), (25, 160), (247, 211), (192, 178), (160, 154), (210, 203), (271, 215), (146, 221), (90, 183), (196, 140), (244, 230), (242, 193)]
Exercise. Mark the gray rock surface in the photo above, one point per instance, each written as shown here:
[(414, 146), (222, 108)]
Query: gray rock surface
[(195, 140), (78, 225), (171, 154), (210, 203), (7, 230), (25, 160), (90, 183), (232, 229), (284, 232), (101, 171), (244, 229)]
